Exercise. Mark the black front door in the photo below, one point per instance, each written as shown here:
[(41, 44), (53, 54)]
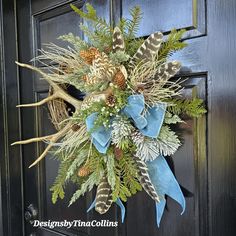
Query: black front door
[(204, 165)]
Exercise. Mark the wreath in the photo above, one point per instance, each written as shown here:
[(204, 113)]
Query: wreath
[(117, 136)]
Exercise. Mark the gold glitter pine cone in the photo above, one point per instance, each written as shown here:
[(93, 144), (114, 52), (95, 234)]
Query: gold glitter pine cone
[(64, 69), (89, 55), (119, 80), (83, 171)]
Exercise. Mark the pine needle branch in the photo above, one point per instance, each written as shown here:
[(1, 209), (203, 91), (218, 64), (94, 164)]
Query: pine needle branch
[(172, 44), (102, 31), (134, 22)]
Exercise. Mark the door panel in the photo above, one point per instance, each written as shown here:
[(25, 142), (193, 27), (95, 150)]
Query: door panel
[(166, 15)]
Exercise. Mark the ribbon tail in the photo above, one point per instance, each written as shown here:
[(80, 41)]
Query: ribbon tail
[(92, 205), (165, 183), (160, 206), (122, 208)]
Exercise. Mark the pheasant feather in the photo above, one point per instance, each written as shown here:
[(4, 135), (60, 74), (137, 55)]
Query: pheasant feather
[(145, 180), (148, 49), (168, 70), (103, 196), (118, 43)]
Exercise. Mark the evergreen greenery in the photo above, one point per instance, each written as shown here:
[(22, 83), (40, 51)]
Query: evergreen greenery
[(101, 35), (93, 179), (59, 183), (127, 183), (167, 142), (191, 107), (100, 32), (95, 163), (172, 44), (171, 118), (78, 43)]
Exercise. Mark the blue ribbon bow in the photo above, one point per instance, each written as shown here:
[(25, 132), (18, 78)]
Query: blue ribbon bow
[(149, 124)]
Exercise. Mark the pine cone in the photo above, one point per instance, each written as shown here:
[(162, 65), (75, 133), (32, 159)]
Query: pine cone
[(107, 49), (139, 88), (89, 55), (118, 153), (119, 80), (75, 127), (83, 171), (110, 100), (85, 78), (64, 69)]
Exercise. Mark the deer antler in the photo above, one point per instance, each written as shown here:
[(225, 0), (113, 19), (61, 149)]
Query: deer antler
[(58, 91), (53, 138)]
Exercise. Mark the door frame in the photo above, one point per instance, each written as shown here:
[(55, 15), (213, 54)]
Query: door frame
[(11, 171)]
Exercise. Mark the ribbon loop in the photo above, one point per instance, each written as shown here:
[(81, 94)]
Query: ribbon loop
[(101, 137)]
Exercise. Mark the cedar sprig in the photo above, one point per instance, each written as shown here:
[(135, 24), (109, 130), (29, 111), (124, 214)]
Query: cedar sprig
[(96, 164), (127, 183), (191, 107), (58, 186)]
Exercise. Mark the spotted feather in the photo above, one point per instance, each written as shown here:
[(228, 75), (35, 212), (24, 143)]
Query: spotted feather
[(148, 49), (145, 180), (168, 70), (103, 196), (118, 43)]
